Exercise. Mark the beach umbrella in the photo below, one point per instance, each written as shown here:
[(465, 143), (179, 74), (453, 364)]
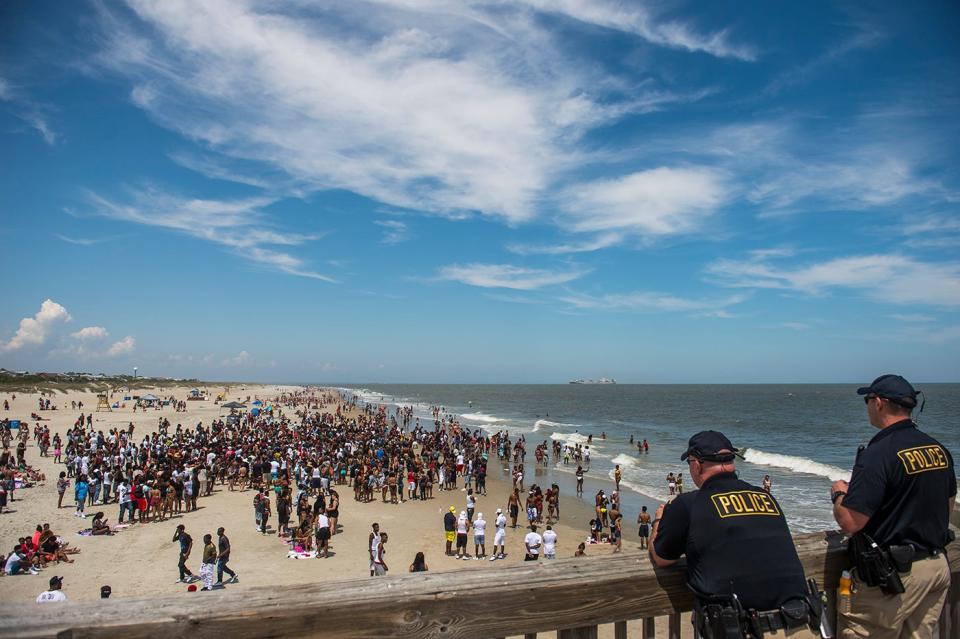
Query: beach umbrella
[(257, 402), (233, 405)]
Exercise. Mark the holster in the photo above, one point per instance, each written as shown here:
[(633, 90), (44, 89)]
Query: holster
[(717, 621), (874, 565)]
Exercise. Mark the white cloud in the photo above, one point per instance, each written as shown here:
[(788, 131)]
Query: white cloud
[(242, 358), (506, 276), (80, 241), (122, 347), (39, 123), (603, 241), (654, 301), (890, 278), (661, 201), (396, 232), (34, 330), (237, 224), (913, 317), (796, 326), (445, 107), (90, 332), (635, 18), (862, 39)]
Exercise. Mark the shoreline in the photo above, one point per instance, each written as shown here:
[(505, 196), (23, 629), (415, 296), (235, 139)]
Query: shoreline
[(141, 560)]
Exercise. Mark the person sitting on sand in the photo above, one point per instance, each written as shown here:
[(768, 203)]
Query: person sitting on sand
[(419, 563), (99, 526)]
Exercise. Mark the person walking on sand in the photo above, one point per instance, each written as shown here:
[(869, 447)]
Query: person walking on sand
[(186, 546), (373, 543), (499, 536), (209, 561), (379, 563), (223, 556), (80, 490)]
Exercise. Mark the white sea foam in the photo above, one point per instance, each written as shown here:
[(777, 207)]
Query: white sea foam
[(624, 460), (482, 417), (540, 423), (570, 438), (795, 464)]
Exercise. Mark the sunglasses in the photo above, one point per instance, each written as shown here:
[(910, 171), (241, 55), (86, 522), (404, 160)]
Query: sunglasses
[(866, 400)]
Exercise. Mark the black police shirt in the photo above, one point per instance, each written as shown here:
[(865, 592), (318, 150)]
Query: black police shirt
[(902, 481), (736, 540)]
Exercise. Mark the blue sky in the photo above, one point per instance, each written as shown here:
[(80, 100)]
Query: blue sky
[(529, 191)]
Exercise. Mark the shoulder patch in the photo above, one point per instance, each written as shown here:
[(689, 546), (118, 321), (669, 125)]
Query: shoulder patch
[(920, 459), (740, 503)]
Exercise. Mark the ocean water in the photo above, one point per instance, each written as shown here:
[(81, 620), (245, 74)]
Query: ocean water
[(803, 436)]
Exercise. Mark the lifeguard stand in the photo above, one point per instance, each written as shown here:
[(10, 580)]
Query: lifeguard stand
[(103, 404)]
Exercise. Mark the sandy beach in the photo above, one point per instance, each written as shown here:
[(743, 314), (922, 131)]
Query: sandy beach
[(142, 559)]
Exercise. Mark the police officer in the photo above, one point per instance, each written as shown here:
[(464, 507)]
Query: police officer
[(741, 561), (899, 497)]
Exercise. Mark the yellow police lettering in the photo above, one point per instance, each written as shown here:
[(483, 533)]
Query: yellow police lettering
[(921, 459), (744, 503)]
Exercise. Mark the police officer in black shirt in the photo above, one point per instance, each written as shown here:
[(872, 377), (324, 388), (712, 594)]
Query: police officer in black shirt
[(741, 561), (899, 498)]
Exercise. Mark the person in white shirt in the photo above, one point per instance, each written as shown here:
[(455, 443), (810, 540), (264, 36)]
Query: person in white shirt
[(53, 595), (549, 543), (500, 536), (533, 541), (463, 525), (479, 537)]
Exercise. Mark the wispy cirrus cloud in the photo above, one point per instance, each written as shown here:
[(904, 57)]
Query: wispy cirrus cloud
[(239, 225), (652, 301), (33, 113), (890, 278), (79, 241), (599, 242), (395, 231), (637, 19), (864, 37), (506, 276), (444, 107), (656, 202)]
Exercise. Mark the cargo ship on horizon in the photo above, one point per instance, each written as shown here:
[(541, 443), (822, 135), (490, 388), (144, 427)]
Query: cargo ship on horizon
[(602, 380)]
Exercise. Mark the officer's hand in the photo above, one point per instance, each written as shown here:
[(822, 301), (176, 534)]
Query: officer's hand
[(838, 485)]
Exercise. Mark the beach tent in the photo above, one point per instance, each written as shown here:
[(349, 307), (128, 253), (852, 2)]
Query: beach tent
[(149, 399), (195, 392)]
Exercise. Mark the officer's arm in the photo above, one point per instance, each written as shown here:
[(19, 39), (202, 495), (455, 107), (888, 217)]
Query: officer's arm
[(850, 521), (668, 537), (658, 561)]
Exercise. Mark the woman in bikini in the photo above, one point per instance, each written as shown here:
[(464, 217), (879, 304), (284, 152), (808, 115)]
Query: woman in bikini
[(333, 511)]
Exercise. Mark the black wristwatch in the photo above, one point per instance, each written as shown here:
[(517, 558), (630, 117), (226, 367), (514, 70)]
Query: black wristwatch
[(837, 495)]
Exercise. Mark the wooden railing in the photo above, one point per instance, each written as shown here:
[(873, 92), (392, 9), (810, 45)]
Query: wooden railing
[(570, 596)]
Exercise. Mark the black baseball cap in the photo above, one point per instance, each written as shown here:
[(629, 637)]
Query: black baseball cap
[(892, 387), (707, 444)]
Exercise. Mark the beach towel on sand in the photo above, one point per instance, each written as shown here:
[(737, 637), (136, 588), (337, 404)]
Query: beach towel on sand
[(86, 532), (302, 555)]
